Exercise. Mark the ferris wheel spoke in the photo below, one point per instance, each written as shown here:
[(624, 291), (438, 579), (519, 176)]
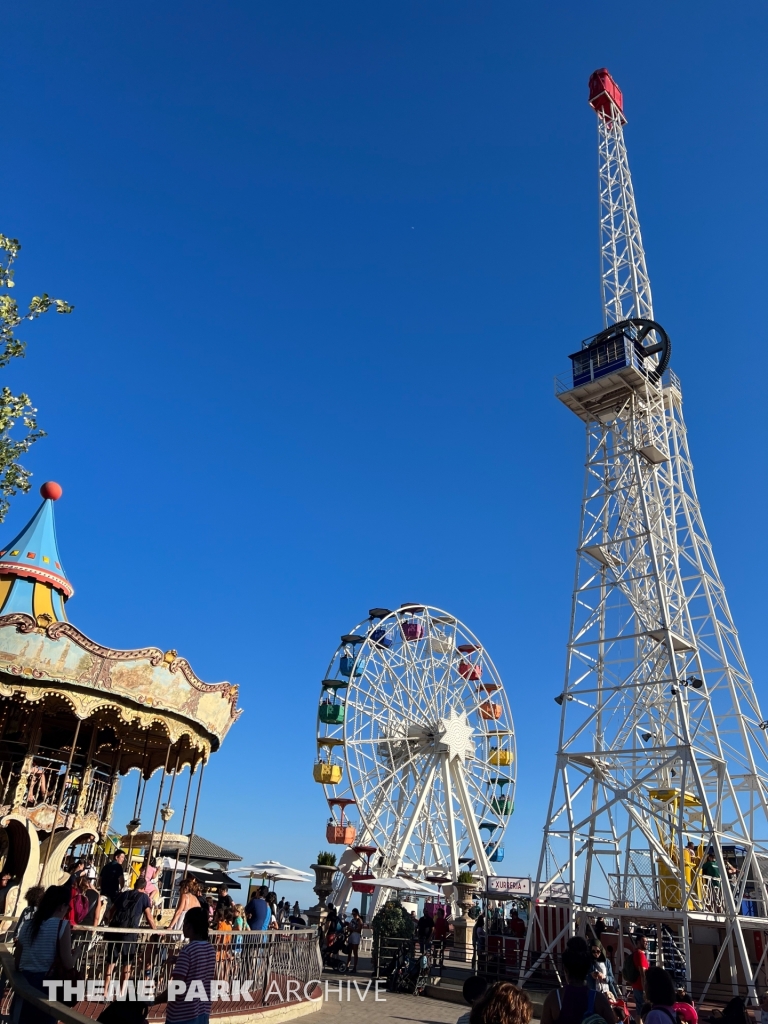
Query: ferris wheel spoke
[(405, 838)]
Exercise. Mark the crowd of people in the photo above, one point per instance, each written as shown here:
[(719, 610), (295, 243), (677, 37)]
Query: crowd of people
[(593, 993), (587, 997), (42, 933), (577, 1002)]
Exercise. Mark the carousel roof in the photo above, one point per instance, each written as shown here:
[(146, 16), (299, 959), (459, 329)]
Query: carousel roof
[(146, 687), (33, 557)]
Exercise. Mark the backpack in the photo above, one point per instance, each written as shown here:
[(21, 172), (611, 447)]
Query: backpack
[(125, 915), (80, 905), (628, 969)]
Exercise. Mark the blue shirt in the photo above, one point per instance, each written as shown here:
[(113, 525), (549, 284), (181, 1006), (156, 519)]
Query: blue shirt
[(260, 914)]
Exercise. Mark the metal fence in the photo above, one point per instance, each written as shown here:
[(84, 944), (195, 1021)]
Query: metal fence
[(253, 969)]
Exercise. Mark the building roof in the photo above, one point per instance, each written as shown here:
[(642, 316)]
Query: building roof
[(203, 849), (34, 554), (200, 849)]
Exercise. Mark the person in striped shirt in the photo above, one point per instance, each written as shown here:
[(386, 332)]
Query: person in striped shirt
[(190, 1002)]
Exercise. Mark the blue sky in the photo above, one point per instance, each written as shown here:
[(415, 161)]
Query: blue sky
[(326, 260)]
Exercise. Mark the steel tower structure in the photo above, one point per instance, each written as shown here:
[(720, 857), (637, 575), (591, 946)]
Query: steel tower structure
[(662, 748)]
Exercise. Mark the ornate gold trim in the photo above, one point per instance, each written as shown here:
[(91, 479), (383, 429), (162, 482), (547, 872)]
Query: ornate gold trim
[(57, 630)]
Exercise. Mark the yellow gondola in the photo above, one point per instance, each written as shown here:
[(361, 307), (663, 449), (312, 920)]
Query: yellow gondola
[(327, 774), (500, 756)]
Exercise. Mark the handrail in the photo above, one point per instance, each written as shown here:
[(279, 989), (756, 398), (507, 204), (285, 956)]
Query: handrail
[(257, 969), (29, 994)]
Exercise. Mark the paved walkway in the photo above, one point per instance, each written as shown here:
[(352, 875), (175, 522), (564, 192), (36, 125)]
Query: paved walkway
[(399, 1009)]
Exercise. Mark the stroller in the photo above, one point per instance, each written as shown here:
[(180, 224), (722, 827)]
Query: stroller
[(407, 973), (332, 961)]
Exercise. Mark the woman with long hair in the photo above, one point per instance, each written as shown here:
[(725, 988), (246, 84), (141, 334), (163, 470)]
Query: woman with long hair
[(502, 1003), (574, 1001), (46, 935), (188, 890)]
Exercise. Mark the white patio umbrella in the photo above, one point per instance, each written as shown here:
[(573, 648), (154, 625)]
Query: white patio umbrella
[(276, 872), (405, 883), (171, 864)]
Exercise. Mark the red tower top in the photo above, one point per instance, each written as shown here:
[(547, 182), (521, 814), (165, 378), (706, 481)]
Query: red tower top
[(605, 95)]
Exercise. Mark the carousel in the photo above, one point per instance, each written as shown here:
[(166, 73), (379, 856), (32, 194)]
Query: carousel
[(76, 716)]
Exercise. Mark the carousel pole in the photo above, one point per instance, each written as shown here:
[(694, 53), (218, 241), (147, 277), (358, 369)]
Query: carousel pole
[(61, 798), (181, 828), (138, 794), (186, 801), (167, 809), (109, 804), (194, 819), (138, 804), (133, 825), (151, 843)]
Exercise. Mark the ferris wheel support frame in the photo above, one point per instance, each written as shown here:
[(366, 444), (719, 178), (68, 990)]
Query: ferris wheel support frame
[(446, 772), (462, 792)]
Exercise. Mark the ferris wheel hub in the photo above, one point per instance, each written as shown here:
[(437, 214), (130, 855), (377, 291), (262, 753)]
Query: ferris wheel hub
[(454, 736)]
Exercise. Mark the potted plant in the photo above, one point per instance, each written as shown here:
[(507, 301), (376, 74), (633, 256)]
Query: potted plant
[(324, 869), (465, 886)]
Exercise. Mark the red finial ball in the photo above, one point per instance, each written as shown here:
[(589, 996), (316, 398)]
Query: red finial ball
[(51, 490)]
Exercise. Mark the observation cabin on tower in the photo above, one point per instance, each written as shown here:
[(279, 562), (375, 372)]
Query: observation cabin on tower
[(626, 357)]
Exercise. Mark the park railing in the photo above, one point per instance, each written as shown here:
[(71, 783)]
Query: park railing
[(253, 969)]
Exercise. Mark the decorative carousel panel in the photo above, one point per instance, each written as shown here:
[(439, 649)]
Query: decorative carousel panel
[(149, 678)]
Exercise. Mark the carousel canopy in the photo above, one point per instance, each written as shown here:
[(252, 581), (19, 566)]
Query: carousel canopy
[(162, 712)]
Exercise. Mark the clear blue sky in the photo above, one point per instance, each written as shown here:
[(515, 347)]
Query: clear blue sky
[(326, 260)]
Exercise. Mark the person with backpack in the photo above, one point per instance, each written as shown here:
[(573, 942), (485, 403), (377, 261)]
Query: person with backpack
[(660, 990), (33, 897), (633, 971), (575, 1003), (131, 909)]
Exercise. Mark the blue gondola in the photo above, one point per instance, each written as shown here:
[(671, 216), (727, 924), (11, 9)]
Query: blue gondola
[(380, 638), (348, 661)]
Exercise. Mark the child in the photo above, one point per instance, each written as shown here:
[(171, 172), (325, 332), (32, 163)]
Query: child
[(196, 963)]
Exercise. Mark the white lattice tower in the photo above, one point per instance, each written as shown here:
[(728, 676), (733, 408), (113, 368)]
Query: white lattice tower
[(626, 288), (662, 741)]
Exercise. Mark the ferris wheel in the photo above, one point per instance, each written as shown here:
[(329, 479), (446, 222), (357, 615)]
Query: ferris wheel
[(416, 746)]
